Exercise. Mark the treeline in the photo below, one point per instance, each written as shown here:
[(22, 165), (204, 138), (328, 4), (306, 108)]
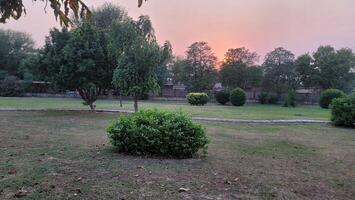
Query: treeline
[(280, 72), (113, 51)]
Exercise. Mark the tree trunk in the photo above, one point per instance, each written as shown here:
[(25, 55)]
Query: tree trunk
[(135, 103), (92, 107), (120, 99)]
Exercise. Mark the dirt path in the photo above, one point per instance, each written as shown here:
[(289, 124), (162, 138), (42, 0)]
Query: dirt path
[(208, 119)]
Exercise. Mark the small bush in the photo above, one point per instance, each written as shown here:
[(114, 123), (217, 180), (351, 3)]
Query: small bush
[(327, 97), (273, 99), (11, 87), (222, 97), (238, 97), (290, 99), (343, 111), (153, 132), (264, 98), (197, 99)]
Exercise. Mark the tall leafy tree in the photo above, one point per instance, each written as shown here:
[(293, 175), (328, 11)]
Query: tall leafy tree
[(75, 61), (280, 73), (334, 67), (328, 68), (14, 48), (136, 69), (308, 74), (200, 70), (236, 69)]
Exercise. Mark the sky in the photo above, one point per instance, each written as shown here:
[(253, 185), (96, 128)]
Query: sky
[(259, 25)]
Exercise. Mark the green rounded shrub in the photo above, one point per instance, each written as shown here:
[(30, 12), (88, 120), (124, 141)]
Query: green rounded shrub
[(222, 97), (328, 95), (343, 111), (290, 99), (153, 132), (197, 99), (238, 97), (264, 98)]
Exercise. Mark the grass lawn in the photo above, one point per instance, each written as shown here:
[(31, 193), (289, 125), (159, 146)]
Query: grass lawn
[(61, 155), (250, 111)]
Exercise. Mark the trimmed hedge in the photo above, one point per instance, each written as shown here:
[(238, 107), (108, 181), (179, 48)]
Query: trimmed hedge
[(264, 98), (153, 132), (238, 97), (343, 111), (328, 95), (222, 97), (197, 99)]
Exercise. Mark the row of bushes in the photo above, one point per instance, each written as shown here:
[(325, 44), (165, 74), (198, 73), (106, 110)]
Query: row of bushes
[(237, 97)]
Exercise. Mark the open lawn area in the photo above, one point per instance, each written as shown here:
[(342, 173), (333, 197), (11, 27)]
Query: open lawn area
[(61, 155), (249, 111)]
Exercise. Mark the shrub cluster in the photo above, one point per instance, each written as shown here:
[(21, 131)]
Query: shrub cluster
[(343, 111), (11, 87), (222, 97), (290, 100), (265, 98), (327, 97), (238, 97), (197, 99), (153, 132)]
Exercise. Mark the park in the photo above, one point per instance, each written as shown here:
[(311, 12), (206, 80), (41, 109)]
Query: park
[(104, 109)]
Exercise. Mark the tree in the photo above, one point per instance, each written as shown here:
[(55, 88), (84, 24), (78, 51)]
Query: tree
[(334, 67), (61, 9), (327, 68), (240, 56), (280, 74), (14, 48), (75, 61), (136, 69), (200, 72), (236, 69), (308, 74), (162, 70)]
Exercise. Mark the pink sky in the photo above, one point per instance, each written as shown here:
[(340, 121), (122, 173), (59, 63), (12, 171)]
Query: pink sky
[(260, 25)]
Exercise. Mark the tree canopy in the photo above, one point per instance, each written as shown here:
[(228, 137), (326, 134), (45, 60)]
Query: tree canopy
[(280, 73), (327, 68), (14, 47), (61, 9)]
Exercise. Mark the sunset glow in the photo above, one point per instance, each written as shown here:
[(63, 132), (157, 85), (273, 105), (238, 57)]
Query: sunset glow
[(300, 26)]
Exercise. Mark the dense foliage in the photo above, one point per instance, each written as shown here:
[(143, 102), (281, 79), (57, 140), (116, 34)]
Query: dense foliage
[(264, 98), (327, 97), (14, 48), (273, 99), (280, 73), (11, 87), (343, 111), (237, 69), (61, 9), (154, 132), (139, 59), (238, 97), (198, 70), (197, 99), (222, 97), (327, 68), (290, 100)]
